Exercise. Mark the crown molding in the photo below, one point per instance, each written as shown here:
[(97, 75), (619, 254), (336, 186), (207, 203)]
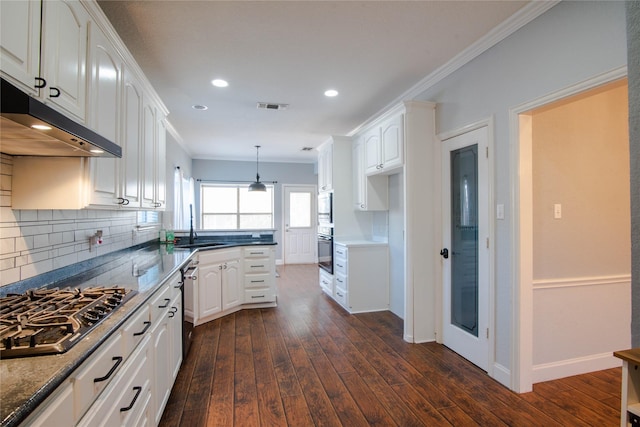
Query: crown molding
[(518, 20)]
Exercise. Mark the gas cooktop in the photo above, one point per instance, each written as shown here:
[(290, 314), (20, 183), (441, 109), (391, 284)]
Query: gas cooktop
[(50, 321)]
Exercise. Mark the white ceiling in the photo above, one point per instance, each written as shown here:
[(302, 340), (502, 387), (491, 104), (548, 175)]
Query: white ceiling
[(290, 52)]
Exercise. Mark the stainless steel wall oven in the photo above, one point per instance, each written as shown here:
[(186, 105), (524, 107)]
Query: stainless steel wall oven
[(325, 249)]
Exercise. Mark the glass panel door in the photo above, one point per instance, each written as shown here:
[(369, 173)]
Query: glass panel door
[(464, 239)]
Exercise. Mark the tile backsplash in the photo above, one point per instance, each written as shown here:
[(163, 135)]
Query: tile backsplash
[(33, 242)]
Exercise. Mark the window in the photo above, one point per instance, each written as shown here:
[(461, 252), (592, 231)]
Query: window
[(233, 207), (148, 218)]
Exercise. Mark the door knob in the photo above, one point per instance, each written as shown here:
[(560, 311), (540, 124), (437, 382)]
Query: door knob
[(445, 253)]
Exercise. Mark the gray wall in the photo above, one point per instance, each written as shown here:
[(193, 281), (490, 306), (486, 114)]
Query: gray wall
[(633, 40), (570, 43), (283, 173)]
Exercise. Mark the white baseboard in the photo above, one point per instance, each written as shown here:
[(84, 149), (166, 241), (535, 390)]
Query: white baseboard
[(577, 366), (279, 262)]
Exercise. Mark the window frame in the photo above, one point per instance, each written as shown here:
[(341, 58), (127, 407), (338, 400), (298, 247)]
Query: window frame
[(238, 214)]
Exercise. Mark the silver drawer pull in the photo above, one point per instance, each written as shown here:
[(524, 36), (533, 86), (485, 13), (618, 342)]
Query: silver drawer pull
[(340, 265), (257, 281), (257, 296), (338, 280), (166, 303), (257, 266), (339, 294)]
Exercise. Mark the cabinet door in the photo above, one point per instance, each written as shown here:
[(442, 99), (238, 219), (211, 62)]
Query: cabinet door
[(20, 42), (160, 164), (209, 290), (65, 26), (358, 176), (372, 151), (161, 352), (392, 143), (131, 133), (325, 168), (148, 159), (231, 284), (175, 332), (106, 81)]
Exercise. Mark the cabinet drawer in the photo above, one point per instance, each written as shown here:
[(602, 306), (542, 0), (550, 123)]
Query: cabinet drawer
[(342, 282), (341, 296), (264, 280), (127, 396), (96, 373), (253, 296), (160, 303), (257, 252), (340, 266), (135, 330), (341, 251), (257, 265)]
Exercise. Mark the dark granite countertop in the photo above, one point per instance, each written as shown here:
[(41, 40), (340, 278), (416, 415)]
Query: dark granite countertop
[(26, 382)]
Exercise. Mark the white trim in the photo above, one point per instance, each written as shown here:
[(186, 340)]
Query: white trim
[(518, 20), (522, 225), (502, 374), (577, 366), (572, 282)]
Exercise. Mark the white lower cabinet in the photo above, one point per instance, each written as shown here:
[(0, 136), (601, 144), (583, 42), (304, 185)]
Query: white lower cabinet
[(326, 282), (361, 273), (128, 379), (229, 280), (259, 275), (166, 345), (127, 395), (56, 411), (218, 286)]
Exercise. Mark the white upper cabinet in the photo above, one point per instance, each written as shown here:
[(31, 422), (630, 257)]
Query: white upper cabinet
[(370, 193), (65, 26), (88, 75), (153, 157), (131, 137), (106, 67), (384, 146), (325, 167), (20, 42), (44, 51)]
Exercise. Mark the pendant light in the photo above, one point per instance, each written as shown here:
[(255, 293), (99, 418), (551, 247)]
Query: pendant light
[(257, 186)]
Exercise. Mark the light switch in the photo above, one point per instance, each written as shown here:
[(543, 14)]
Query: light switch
[(557, 211), (500, 211)]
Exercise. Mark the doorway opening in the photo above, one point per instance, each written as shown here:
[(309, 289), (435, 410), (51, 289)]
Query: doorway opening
[(572, 231)]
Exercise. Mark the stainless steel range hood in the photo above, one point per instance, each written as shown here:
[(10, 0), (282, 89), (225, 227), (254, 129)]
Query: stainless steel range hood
[(58, 135)]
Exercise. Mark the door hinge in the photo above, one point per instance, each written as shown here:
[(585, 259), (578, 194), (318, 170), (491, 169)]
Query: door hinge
[(487, 243), (486, 150), (487, 333)]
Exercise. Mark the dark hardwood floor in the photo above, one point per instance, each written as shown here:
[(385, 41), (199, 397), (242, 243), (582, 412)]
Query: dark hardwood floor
[(309, 363)]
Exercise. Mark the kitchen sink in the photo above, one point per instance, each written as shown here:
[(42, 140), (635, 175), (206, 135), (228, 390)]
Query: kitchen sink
[(201, 245)]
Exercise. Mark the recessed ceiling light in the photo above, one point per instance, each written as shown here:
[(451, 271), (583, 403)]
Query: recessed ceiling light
[(199, 107), (219, 83), (331, 93), (41, 127)]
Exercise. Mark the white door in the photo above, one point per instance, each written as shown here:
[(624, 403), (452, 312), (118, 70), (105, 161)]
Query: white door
[(465, 252), (299, 224)]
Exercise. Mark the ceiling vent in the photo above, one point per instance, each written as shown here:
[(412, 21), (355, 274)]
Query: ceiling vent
[(272, 106)]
